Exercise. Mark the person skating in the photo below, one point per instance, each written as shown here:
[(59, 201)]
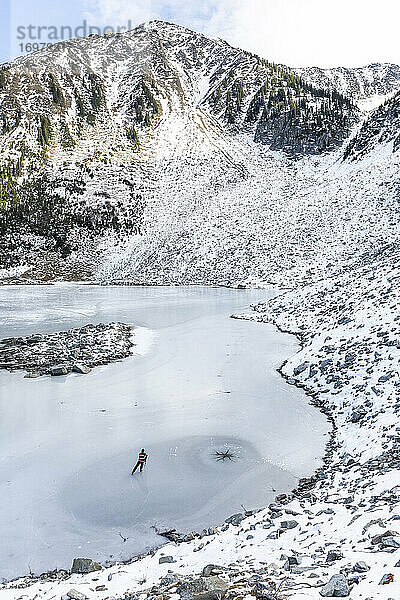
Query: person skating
[(142, 460)]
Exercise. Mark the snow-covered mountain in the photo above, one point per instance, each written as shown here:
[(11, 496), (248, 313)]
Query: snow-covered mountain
[(381, 130), (158, 69), (367, 86), (160, 155)]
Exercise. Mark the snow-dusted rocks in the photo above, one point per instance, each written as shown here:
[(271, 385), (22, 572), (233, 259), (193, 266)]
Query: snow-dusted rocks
[(368, 86), (60, 353), (84, 566), (203, 588), (381, 128), (336, 587)]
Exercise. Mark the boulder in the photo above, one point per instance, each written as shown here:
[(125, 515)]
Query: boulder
[(299, 570), (174, 536), (288, 524), (358, 414), (212, 570), (378, 539), (81, 368), (292, 562), (300, 368), (386, 579), (75, 595), (281, 497), (361, 567), (84, 565), (203, 588), (34, 339), (166, 559), (169, 579), (59, 370), (337, 587), (235, 519), (385, 378), (334, 555)]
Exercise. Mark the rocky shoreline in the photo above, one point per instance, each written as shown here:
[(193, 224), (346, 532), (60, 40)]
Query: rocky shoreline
[(76, 350)]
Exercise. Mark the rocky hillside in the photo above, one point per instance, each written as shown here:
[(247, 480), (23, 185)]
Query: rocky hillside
[(366, 86), (380, 131), (55, 95)]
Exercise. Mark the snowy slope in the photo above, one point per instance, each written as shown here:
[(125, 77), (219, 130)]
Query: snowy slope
[(381, 128), (275, 221), (368, 86)]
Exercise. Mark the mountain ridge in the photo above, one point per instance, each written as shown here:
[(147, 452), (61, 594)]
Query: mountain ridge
[(131, 157), (368, 85)]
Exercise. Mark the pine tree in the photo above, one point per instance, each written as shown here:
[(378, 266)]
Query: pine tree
[(45, 131), (3, 78), (55, 90)]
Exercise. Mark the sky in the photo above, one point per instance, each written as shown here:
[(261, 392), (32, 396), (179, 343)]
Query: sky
[(294, 32)]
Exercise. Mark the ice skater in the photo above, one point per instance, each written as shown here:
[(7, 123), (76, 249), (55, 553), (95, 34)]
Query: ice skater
[(142, 460)]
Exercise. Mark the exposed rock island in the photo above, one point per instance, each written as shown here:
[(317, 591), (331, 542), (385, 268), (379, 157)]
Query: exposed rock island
[(76, 350)]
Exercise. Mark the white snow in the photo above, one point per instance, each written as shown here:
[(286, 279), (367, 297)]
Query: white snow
[(221, 209)]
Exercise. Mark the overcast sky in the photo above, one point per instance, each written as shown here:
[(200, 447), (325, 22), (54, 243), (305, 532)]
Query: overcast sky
[(294, 32)]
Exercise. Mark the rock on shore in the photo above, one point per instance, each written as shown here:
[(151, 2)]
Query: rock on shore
[(75, 350)]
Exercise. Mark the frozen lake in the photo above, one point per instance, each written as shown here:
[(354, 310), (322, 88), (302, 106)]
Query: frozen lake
[(205, 383)]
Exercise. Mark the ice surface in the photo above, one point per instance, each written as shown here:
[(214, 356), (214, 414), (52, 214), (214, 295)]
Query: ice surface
[(207, 382)]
